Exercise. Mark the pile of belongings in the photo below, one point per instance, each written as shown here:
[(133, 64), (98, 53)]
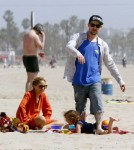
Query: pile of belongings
[(8, 124)]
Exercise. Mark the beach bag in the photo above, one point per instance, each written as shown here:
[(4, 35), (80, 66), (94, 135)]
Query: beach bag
[(8, 124)]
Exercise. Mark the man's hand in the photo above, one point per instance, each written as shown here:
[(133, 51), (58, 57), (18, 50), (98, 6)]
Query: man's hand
[(81, 59), (123, 87), (42, 34), (41, 54)]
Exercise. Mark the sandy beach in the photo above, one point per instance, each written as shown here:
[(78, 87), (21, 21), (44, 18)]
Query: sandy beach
[(60, 94)]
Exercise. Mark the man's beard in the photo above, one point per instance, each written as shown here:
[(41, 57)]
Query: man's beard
[(93, 32)]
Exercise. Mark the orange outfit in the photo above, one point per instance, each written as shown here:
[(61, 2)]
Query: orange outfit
[(29, 108)]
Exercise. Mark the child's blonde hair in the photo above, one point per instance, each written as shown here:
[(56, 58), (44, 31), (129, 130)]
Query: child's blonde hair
[(72, 115)]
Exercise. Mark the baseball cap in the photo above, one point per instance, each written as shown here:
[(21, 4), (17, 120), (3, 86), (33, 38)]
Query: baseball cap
[(39, 27), (96, 18)]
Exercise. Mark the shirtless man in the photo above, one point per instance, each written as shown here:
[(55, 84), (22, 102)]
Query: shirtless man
[(32, 41)]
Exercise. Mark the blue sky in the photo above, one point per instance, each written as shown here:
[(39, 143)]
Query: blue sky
[(116, 13)]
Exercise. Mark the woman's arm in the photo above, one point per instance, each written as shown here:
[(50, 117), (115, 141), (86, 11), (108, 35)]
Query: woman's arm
[(22, 109), (46, 108)]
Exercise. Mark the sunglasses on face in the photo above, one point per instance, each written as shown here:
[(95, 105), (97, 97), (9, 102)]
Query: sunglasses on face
[(95, 25), (42, 86)]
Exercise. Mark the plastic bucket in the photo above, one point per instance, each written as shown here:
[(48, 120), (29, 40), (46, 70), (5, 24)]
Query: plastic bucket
[(107, 86), (56, 127)]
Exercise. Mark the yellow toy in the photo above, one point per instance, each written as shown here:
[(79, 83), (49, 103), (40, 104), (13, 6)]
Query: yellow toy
[(19, 126)]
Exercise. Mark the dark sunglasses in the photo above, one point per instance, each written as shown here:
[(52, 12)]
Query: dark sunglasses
[(95, 25), (42, 86)]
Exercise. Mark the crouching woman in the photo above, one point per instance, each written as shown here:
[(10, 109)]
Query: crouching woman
[(33, 102)]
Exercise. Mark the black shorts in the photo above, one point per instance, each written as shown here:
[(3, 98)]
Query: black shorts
[(31, 63)]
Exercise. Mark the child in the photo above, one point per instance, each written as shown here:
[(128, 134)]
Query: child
[(81, 126)]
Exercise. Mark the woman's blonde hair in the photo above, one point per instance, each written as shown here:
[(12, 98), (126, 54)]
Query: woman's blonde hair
[(37, 80)]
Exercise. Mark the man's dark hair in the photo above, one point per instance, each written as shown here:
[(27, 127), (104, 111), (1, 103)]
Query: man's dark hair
[(39, 28)]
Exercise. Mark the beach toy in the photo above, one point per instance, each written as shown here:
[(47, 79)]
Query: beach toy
[(71, 127), (65, 131), (105, 124), (56, 127)]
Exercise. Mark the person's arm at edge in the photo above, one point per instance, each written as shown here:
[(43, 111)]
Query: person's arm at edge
[(108, 61)]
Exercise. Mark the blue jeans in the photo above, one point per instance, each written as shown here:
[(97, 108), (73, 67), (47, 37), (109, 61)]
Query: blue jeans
[(93, 92)]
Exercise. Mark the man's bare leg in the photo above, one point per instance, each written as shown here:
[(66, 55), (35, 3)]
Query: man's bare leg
[(83, 115), (98, 118), (30, 78)]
